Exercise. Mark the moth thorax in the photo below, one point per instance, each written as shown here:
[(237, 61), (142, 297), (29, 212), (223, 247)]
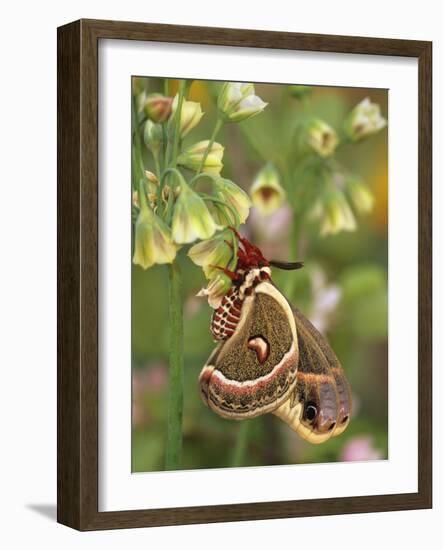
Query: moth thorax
[(252, 278), (226, 317)]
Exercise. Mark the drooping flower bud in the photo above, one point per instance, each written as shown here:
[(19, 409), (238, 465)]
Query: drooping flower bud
[(153, 136), (192, 157), (216, 289), (191, 114), (361, 197), (364, 120), (320, 137), (191, 218), (153, 241), (228, 191), (210, 254), (266, 192), (337, 214), (237, 101), (158, 107)]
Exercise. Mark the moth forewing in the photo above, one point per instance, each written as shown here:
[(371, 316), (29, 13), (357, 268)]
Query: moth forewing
[(320, 405), (254, 371)]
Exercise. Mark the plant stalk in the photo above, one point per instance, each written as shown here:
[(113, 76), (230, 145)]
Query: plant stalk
[(216, 130), (176, 372), (241, 444)]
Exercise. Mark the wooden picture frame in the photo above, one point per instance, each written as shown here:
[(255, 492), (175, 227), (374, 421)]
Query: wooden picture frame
[(78, 244)]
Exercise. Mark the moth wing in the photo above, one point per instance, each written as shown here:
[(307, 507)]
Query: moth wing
[(254, 370), (320, 405)]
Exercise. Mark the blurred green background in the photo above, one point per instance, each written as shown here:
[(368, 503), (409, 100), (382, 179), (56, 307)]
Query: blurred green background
[(342, 289)]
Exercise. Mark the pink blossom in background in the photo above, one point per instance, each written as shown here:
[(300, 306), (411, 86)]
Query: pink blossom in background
[(360, 448)]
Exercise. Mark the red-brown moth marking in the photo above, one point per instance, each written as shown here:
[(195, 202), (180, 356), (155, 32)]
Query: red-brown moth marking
[(270, 358)]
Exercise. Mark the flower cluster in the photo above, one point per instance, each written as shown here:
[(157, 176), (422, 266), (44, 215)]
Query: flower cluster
[(171, 209)]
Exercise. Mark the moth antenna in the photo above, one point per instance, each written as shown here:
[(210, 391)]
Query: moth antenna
[(286, 265)]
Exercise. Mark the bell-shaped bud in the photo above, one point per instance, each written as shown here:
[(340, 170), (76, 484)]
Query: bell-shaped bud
[(216, 289), (192, 157), (228, 191), (237, 101), (364, 120), (361, 197), (153, 241), (213, 253), (320, 137), (158, 107), (337, 214), (191, 114), (191, 218), (153, 136), (266, 192)]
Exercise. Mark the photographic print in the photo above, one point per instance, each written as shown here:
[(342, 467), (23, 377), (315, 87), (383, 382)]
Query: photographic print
[(259, 274)]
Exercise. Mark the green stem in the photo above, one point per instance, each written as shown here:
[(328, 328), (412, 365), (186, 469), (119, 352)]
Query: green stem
[(241, 444), (177, 120), (216, 130), (175, 398)]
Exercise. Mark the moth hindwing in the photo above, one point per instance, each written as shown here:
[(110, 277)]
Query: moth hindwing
[(254, 370), (320, 405)]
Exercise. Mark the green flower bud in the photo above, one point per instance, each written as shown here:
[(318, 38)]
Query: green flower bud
[(153, 241), (228, 191), (237, 101), (158, 107), (320, 137), (214, 252), (191, 115), (191, 218), (153, 136), (361, 197), (337, 214), (300, 92), (192, 157), (266, 192), (364, 120)]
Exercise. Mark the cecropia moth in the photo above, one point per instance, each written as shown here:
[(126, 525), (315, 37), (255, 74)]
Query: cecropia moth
[(270, 358)]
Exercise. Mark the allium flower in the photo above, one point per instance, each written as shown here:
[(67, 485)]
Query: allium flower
[(237, 101), (364, 120), (213, 253), (153, 136), (158, 107), (191, 218), (321, 138), (191, 115), (338, 215), (153, 241), (228, 191), (192, 157), (216, 289), (360, 195), (361, 448), (266, 192)]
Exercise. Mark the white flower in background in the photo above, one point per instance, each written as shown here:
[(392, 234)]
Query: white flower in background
[(321, 137), (153, 136), (237, 102), (191, 115), (360, 195), (191, 218), (337, 214), (192, 157), (364, 120), (266, 192)]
